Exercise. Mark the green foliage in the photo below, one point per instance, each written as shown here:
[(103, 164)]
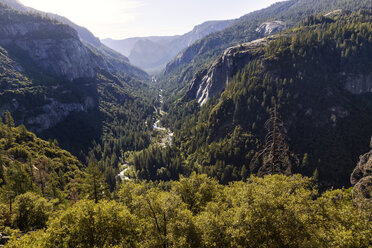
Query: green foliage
[(94, 183), (31, 164), (196, 191), (87, 225), (305, 71), (9, 119), (274, 211), (30, 212), (202, 53)]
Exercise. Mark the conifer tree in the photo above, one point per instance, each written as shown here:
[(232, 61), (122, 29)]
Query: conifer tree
[(94, 183), (9, 121)]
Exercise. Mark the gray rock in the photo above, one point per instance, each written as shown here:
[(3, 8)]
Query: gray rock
[(64, 55), (108, 59), (54, 112), (213, 80), (361, 178), (268, 28), (337, 12)]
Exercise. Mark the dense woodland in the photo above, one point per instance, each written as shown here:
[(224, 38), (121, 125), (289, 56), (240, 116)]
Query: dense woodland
[(203, 52), (301, 73), (118, 108), (266, 163), (274, 211), (47, 193)]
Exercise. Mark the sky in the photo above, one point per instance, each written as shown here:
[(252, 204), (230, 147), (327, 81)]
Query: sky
[(119, 19)]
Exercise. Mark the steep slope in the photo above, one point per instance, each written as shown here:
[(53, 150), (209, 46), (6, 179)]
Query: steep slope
[(318, 76), (64, 89), (115, 59), (181, 70), (214, 79), (153, 53), (28, 163), (84, 33)]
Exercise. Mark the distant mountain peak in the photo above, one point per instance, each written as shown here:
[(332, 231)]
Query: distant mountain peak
[(153, 53)]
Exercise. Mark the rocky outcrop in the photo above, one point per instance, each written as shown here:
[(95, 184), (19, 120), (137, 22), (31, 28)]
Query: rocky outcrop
[(269, 28), (187, 56), (54, 112), (48, 72), (361, 177), (337, 12), (213, 80), (48, 112)]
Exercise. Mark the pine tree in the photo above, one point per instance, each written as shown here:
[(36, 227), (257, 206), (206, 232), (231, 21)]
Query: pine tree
[(94, 183), (9, 121)]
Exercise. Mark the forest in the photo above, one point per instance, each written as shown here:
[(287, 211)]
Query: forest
[(264, 163), (299, 72)]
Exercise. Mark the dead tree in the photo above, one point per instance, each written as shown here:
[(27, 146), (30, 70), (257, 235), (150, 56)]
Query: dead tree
[(275, 155)]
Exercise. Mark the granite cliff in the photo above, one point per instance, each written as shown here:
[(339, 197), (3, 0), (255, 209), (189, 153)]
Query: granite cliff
[(214, 79), (48, 74)]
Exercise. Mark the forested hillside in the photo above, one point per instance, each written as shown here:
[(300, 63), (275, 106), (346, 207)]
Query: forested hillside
[(47, 199), (183, 68), (61, 88), (252, 138), (29, 164), (318, 77)]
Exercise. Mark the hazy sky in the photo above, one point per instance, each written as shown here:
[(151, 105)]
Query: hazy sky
[(129, 18)]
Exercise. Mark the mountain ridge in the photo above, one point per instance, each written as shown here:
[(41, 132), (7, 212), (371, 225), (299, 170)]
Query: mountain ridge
[(203, 52), (86, 36), (154, 52), (63, 88), (316, 75)]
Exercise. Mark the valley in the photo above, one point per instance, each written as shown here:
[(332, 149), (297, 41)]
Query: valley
[(165, 134), (246, 132)]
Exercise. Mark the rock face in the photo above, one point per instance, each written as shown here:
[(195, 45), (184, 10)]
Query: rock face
[(112, 61), (49, 72), (183, 57), (361, 178), (83, 33), (191, 52), (53, 46), (212, 81), (269, 28), (54, 112)]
